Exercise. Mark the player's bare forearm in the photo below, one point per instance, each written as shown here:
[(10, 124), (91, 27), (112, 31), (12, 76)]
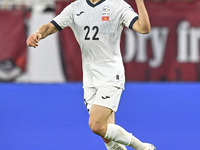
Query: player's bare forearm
[(41, 33), (142, 25), (46, 30)]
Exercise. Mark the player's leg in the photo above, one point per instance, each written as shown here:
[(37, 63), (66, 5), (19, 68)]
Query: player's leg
[(98, 124), (111, 145), (99, 114), (89, 96), (111, 119)]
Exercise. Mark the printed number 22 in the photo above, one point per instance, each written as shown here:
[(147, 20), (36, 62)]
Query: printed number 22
[(88, 31)]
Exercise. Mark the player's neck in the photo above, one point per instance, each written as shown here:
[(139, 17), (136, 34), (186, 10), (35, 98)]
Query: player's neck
[(94, 1)]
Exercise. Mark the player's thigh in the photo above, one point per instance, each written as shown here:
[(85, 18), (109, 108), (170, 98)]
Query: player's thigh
[(99, 115)]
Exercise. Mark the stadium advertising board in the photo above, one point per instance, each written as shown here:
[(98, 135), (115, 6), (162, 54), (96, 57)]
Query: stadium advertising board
[(13, 47), (54, 116)]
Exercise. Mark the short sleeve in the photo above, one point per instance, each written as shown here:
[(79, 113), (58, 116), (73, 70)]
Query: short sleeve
[(129, 16), (64, 19)]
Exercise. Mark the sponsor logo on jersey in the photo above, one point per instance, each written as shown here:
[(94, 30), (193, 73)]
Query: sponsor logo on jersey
[(106, 9), (105, 97), (80, 13), (106, 13)]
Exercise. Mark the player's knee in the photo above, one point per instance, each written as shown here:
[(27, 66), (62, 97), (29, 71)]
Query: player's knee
[(97, 128)]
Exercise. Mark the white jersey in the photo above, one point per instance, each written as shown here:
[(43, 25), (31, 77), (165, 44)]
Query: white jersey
[(97, 28)]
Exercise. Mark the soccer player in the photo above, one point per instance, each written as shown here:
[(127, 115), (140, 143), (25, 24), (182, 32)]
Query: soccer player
[(97, 25)]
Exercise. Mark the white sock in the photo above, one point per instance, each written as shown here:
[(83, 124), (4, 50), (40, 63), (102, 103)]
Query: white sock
[(137, 144), (115, 146), (119, 135)]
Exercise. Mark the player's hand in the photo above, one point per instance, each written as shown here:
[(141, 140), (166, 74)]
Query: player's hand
[(33, 40)]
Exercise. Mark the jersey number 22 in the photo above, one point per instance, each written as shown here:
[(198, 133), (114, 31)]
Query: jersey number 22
[(88, 31)]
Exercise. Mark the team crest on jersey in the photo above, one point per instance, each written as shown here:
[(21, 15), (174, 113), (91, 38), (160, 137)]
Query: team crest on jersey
[(106, 13)]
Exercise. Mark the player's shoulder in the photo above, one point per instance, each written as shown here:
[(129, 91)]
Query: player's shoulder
[(78, 2)]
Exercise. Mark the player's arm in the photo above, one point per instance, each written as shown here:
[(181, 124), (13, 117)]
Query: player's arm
[(142, 25), (41, 33)]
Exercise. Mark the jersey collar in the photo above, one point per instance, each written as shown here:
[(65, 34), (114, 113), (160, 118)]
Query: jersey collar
[(94, 5)]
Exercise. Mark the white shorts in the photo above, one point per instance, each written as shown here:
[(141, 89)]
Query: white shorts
[(107, 96)]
